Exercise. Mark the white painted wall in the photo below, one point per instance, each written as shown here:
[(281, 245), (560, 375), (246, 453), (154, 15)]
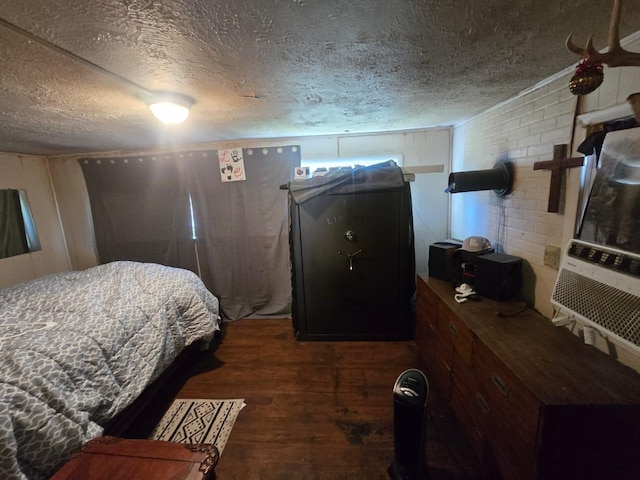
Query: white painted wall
[(75, 211), (524, 130), (30, 173)]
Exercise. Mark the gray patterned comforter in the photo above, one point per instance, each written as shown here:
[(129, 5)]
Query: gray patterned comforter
[(77, 347)]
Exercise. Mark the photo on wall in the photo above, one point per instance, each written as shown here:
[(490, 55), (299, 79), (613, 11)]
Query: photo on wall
[(612, 215), (231, 165)]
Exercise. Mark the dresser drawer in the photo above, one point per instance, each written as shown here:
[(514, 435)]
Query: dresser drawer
[(427, 302), (466, 411), (437, 355), (423, 330), (424, 293), (517, 404), (456, 331), (428, 313), (502, 447), (464, 401)]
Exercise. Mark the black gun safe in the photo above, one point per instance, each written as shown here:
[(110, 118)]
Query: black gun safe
[(353, 263)]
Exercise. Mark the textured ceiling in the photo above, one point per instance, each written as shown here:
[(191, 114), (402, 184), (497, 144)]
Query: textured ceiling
[(274, 68)]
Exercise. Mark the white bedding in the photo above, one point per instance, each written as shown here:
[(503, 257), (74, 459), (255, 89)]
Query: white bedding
[(77, 347)]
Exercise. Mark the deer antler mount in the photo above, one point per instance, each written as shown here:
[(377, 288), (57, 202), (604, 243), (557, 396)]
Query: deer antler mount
[(589, 75)]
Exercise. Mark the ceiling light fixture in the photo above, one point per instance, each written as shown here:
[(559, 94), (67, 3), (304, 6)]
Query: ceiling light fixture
[(170, 108)]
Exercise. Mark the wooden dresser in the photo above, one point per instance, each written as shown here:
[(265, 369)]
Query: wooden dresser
[(111, 458), (534, 400)]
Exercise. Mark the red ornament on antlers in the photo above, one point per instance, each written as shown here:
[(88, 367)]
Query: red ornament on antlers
[(589, 72)]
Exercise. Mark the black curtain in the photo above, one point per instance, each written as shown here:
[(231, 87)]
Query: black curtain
[(140, 210), (13, 240)]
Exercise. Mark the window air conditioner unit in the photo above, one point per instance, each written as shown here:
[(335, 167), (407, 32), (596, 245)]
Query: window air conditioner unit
[(600, 287)]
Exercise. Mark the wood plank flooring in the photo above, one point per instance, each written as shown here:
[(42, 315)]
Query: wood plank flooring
[(317, 410)]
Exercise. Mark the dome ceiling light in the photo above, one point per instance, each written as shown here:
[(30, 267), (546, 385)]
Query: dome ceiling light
[(170, 108)]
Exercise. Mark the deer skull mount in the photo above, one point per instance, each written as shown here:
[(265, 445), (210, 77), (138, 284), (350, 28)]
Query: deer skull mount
[(589, 73)]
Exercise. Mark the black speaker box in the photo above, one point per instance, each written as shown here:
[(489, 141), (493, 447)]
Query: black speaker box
[(441, 259), (498, 276)]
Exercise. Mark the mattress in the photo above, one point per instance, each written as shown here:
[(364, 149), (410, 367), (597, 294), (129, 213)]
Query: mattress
[(77, 347)]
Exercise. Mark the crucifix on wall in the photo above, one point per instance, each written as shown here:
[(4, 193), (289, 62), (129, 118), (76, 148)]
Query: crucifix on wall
[(559, 163)]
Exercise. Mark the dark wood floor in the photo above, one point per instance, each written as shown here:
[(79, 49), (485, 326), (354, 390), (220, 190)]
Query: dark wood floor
[(317, 410)]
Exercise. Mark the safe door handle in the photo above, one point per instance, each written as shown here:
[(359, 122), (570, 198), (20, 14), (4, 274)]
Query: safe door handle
[(350, 257)]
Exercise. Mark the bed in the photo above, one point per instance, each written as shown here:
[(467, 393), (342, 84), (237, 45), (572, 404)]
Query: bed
[(77, 348)]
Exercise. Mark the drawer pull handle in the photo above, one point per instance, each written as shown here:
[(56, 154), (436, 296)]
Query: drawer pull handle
[(483, 403), (453, 328), (499, 383)]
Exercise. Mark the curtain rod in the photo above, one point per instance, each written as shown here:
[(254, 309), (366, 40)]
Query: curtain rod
[(606, 114)]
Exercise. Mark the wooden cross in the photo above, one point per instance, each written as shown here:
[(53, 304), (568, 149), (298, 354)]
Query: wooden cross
[(557, 165)]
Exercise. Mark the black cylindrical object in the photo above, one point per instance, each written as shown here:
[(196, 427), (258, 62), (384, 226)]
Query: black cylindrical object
[(499, 179), (410, 394)]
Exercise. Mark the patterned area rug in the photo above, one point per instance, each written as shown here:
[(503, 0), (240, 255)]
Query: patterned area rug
[(198, 421)]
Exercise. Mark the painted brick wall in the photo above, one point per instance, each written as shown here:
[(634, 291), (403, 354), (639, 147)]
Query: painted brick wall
[(524, 130)]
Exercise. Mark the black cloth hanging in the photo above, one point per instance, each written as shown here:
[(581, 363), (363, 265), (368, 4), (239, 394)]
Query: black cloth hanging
[(593, 143), (140, 210)]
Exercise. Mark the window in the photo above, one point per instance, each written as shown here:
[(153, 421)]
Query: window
[(18, 233)]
